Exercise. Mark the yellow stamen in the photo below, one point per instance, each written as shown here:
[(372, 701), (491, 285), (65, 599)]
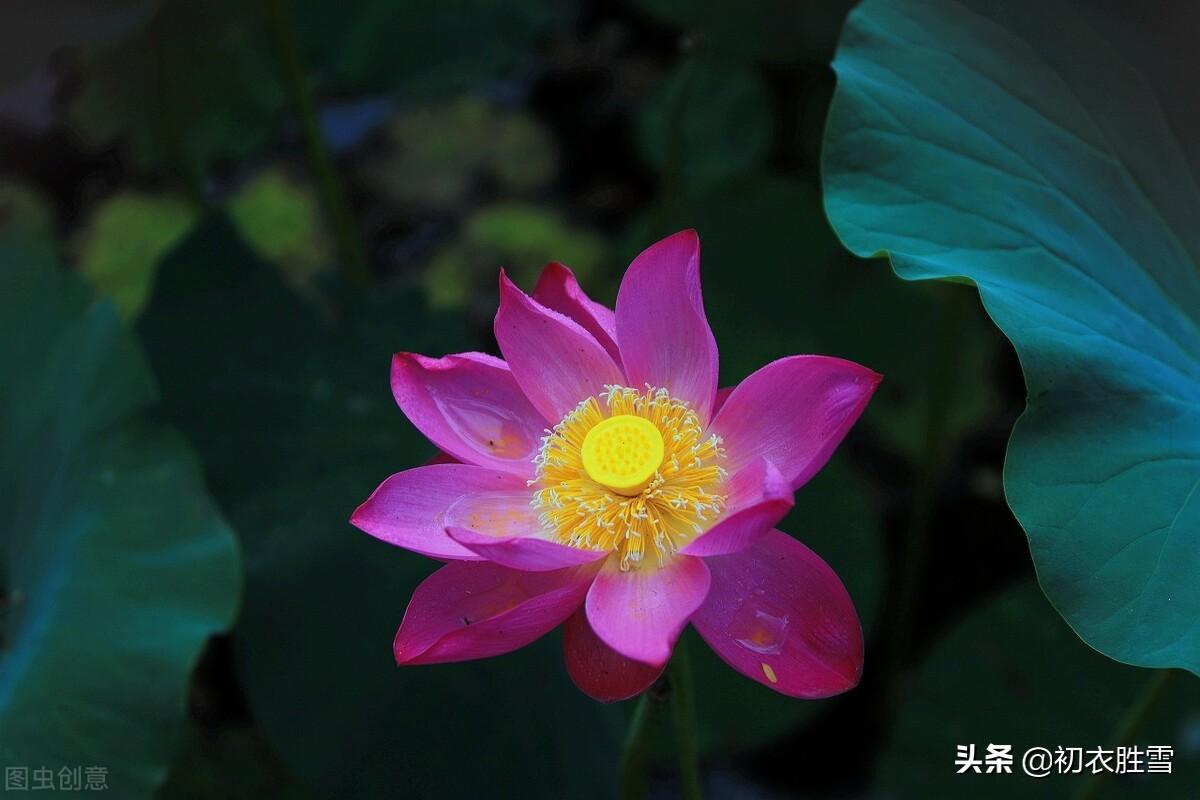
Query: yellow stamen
[(634, 475)]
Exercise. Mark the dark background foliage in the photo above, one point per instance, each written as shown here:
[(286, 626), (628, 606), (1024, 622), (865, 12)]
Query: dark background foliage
[(277, 195)]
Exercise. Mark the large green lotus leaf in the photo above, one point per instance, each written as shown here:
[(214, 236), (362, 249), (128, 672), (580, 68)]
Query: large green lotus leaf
[(1011, 674), (291, 412), (196, 84), (115, 565), (1049, 153)]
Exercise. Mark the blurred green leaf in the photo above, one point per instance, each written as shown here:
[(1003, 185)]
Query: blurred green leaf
[(1011, 673), (115, 566), (281, 219), (296, 425), (516, 236), (195, 85), (25, 213), (1046, 152), (433, 157), (768, 30), (713, 116), (422, 48), (32, 30), (521, 155), (124, 240)]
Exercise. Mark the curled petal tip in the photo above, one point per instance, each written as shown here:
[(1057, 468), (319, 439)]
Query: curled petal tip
[(686, 233), (397, 651)]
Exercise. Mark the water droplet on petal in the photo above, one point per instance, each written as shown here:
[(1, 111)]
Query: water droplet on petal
[(759, 630)]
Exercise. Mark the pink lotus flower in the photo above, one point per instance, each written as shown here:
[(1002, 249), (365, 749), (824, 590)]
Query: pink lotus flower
[(602, 481)]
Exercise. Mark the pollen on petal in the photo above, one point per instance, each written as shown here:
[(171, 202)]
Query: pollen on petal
[(769, 672)]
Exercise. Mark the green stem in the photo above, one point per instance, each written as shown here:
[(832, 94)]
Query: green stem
[(635, 758), (1131, 725), (351, 256), (675, 686), (939, 397), (683, 706)]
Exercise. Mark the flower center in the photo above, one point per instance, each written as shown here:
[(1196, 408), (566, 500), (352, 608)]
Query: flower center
[(623, 453), (634, 475)]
